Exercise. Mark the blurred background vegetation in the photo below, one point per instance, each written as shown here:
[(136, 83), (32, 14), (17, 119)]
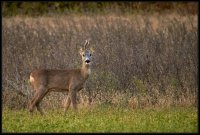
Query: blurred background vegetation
[(145, 52), (48, 8)]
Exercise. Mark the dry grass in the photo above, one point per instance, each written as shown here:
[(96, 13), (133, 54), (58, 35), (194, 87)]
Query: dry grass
[(139, 60)]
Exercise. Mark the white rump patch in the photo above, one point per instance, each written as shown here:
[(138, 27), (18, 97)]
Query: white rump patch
[(31, 79)]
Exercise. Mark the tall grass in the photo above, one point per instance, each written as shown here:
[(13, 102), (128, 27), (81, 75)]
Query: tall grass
[(139, 60)]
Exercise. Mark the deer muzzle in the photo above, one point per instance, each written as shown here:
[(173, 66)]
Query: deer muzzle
[(87, 61)]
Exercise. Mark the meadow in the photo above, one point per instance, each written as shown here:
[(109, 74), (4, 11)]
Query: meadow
[(144, 72), (103, 119)]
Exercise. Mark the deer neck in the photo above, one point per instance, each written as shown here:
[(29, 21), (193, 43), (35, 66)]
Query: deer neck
[(85, 71)]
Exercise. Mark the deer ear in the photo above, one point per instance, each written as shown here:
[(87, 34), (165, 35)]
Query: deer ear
[(80, 50)]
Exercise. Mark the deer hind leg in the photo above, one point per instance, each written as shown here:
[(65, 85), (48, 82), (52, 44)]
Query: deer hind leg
[(38, 98), (67, 104), (31, 106), (39, 108)]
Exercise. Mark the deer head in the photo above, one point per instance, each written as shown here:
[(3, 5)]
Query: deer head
[(86, 54)]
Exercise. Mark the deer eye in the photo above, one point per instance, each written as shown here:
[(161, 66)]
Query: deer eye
[(90, 54), (83, 55)]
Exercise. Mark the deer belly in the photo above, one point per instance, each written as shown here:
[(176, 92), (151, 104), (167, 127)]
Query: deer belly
[(57, 82), (58, 90)]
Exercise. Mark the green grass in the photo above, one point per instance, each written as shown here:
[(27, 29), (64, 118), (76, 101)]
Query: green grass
[(102, 119)]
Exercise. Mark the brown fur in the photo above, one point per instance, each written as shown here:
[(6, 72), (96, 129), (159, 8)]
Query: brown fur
[(71, 80)]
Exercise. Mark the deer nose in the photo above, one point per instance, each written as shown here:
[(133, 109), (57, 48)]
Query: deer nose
[(87, 61)]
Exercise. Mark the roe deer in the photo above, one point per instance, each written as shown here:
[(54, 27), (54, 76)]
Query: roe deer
[(71, 80)]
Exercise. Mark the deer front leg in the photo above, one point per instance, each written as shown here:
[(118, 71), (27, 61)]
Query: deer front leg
[(67, 104), (72, 95)]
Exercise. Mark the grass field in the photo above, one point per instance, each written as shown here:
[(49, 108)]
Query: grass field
[(143, 78), (103, 119)]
